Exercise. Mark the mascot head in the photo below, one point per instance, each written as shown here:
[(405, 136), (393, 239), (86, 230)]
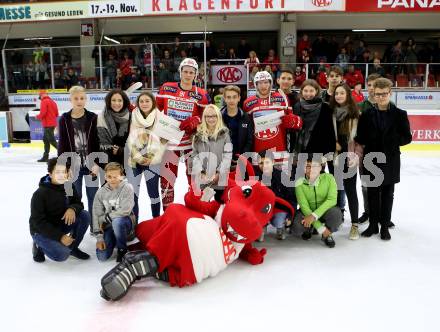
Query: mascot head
[(247, 210)]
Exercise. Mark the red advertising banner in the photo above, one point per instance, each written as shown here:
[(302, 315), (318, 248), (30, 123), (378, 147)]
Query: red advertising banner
[(425, 128), (392, 6)]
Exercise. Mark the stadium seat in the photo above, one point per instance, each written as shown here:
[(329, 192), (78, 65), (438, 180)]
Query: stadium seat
[(402, 81)]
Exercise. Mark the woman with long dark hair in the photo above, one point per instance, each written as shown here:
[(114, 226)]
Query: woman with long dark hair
[(345, 120)]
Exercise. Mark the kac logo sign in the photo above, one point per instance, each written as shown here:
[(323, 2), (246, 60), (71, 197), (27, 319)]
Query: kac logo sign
[(322, 3), (229, 75)]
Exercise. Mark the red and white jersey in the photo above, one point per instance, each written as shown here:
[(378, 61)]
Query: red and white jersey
[(211, 251), (272, 138), (180, 105)]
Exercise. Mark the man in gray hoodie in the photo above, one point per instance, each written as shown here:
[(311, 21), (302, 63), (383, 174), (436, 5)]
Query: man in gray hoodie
[(113, 222)]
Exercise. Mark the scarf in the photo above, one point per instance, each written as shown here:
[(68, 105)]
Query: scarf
[(340, 113), (309, 111), (107, 130)]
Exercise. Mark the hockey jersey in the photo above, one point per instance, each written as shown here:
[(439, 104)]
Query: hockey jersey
[(272, 138), (180, 105)]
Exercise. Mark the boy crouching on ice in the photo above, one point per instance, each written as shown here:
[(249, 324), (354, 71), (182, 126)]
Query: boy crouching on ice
[(113, 222)]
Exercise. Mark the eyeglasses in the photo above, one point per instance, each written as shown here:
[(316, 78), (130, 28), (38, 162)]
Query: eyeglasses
[(381, 95)]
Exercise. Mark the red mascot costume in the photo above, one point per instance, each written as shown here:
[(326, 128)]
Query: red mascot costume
[(192, 242)]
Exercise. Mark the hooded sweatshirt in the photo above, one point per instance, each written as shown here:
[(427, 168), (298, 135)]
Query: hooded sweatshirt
[(111, 203), (48, 205)]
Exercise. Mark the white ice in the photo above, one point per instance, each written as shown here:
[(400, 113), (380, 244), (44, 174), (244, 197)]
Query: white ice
[(364, 285)]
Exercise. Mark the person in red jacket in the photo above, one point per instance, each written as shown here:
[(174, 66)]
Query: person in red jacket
[(48, 116), (357, 94), (267, 102), (182, 101), (353, 76)]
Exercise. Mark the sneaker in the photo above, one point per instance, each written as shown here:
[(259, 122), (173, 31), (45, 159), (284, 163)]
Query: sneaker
[(384, 233), (307, 234), (121, 253), (391, 225), (364, 218), (79, 254), (354, 232), (43, 160), (329, 242), (37, 254), (281, 235)]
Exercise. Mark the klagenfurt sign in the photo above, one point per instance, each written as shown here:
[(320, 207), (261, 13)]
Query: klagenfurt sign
[(179, 7)]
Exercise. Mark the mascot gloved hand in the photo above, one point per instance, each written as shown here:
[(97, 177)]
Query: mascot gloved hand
[(291, 121), (190, 124)]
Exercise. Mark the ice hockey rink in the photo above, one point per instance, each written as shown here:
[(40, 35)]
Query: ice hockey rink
[(363, 285)]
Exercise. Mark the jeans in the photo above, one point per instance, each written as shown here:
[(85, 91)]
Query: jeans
[(115, 236), (57, 251), (279, 220), (91, 187), (48, 140), (151, 174)]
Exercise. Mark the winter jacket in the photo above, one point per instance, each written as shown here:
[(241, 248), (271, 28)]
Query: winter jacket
[(48, 112), (245, 132), (322, 139), (219, 158), (66, 142), (48, 205), (111, 203), (395, 133), (141, 143), (317, 197)]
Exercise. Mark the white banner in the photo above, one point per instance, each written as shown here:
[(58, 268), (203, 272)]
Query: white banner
[(114, 8), (179, 7), (265, 122), (167, 128), (427, 100), (228, 74)]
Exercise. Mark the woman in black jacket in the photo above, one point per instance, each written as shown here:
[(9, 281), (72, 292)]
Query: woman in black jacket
[(317, 134), (113, 125), (382, 129)]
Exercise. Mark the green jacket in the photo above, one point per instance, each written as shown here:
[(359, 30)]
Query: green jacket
[(318, 197)]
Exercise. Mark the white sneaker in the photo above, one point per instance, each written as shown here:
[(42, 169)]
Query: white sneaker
[(354, 232)]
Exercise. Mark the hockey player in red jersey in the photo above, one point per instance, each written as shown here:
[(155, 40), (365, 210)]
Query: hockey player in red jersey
[(184, 102), (267, 102)]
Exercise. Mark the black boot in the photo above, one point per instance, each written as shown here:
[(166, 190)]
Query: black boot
[(384, 233), (307, 234), (135, 265), (372, 229), (391, 224), (37, 254), (79, 254), (364, 218)]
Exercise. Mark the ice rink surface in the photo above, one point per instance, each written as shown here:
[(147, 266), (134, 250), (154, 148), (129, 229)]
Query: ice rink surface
[(364, 285)]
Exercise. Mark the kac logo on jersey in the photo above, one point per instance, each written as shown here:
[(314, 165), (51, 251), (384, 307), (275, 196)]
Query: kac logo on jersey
[(267, 134), (322, 3)]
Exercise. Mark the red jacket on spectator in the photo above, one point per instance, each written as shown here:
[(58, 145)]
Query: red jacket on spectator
[(125, 66), (302, 45), (299, 78), (321, 78), (273, 61), (48, 112), (355, 77), (358, 97)]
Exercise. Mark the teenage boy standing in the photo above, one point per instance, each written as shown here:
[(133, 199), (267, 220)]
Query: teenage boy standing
[(383, 128)]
